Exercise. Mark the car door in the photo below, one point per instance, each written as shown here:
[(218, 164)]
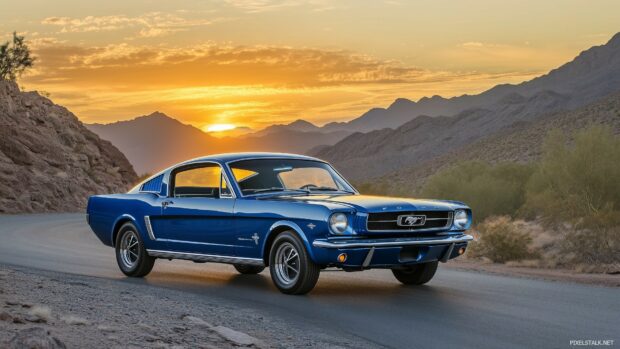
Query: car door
[(198, 212)]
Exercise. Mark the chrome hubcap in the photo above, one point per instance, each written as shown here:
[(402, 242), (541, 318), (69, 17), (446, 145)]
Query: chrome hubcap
[(130, 249), (287, 263)]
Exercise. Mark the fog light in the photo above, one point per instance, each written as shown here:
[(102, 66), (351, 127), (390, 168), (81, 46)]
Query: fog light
[(461, 250), (342, 257)]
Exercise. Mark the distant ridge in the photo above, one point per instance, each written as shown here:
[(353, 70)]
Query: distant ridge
[(592, 75), (156, 141)]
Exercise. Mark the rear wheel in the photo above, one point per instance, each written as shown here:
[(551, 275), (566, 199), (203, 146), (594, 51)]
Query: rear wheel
[(131, 255), (417, 274), (249, 269), (292, 270)]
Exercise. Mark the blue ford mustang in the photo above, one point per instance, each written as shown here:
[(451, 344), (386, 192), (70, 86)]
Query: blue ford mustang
[(292, 213)]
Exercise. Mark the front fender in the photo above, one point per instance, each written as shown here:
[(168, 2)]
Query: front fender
[(277, 227)]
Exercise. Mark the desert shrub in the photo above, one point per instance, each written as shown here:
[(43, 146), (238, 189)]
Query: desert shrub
[(488, 190), (594, 243), (573, 182), (501, 240), (575, 190)]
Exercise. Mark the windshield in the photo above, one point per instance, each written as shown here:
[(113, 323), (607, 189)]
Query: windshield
[(287, 175)]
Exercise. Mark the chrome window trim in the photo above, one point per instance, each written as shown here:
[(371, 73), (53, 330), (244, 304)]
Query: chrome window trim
[(205, 257), (223, 178)]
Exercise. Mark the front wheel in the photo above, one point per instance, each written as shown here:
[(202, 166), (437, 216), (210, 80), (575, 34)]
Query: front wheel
[(131, 255), (249, 269), (417, 274), (292, 270)]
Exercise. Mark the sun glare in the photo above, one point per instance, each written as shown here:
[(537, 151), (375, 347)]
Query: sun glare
[(219, 127)]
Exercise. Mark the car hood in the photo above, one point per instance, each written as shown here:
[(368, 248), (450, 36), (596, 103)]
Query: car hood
[(370, 203)]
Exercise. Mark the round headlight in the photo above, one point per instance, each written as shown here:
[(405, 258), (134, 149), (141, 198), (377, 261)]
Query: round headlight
[(461, 220), (338, 223)]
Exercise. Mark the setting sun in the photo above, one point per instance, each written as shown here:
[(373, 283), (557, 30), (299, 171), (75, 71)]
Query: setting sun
[(218, 127)]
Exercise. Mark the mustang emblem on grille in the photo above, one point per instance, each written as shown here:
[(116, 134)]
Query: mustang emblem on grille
[(411, 221)]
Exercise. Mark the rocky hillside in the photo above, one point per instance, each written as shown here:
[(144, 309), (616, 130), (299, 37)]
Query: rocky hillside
[(49, 162), (522, 142)]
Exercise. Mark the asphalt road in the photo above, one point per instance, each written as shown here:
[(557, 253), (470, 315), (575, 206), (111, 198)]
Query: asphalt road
[(456, 309)]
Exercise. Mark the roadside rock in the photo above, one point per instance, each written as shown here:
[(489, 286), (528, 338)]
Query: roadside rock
[(35, 337), (196, 321), (39, 314), (236, 337), (4, 316), (75, 320)]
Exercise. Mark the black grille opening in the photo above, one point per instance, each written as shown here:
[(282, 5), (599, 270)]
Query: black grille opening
[(395, 221)]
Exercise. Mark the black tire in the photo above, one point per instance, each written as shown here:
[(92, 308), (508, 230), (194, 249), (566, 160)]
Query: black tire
[(307, 271), (133, 261), (418, 274), (249, 269)]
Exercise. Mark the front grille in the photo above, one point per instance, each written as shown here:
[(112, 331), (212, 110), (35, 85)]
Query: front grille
[(395, 221)]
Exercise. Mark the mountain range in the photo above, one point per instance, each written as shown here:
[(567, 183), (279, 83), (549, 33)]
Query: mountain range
[(592, 75), (156, 141), (384, 141)]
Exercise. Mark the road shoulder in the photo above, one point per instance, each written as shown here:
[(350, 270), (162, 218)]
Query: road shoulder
[(90, 312), (609, 280)]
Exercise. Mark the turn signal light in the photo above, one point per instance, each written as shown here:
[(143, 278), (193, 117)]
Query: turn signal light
[(342, 257), (461, 250)]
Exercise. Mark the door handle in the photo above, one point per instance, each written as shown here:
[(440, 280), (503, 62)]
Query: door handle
[(166, 203)]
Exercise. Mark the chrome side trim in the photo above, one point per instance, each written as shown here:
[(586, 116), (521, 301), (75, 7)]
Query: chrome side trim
[(205, 257), (394, 242), (149, 228)]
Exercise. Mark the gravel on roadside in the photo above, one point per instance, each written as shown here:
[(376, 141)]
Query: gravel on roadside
[(88, 312)]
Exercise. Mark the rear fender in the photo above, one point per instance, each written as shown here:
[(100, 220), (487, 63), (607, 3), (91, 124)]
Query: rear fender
[(119, 222)]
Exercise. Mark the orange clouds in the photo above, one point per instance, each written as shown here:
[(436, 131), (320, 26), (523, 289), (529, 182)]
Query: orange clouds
[(244, 85), (149, 25)]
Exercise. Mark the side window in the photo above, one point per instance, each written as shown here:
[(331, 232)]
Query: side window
[(201, 181)]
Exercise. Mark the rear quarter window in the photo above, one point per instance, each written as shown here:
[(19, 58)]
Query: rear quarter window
[(153, 185)]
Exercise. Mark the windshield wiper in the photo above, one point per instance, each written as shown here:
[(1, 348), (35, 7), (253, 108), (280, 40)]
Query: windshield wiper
[(274, 189), (328, 189)]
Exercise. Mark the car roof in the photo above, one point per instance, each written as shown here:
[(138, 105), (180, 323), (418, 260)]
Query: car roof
[(231, 157)]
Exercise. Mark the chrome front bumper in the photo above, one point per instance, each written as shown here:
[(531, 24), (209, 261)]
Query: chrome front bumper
[(367, 243)]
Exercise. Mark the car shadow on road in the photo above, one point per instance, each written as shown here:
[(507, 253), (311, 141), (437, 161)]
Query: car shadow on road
[(220, 280)]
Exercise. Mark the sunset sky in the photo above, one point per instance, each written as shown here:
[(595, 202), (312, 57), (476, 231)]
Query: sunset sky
[(258, 62)]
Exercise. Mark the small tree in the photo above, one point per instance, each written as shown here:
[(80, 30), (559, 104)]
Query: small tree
[(15, 58)]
